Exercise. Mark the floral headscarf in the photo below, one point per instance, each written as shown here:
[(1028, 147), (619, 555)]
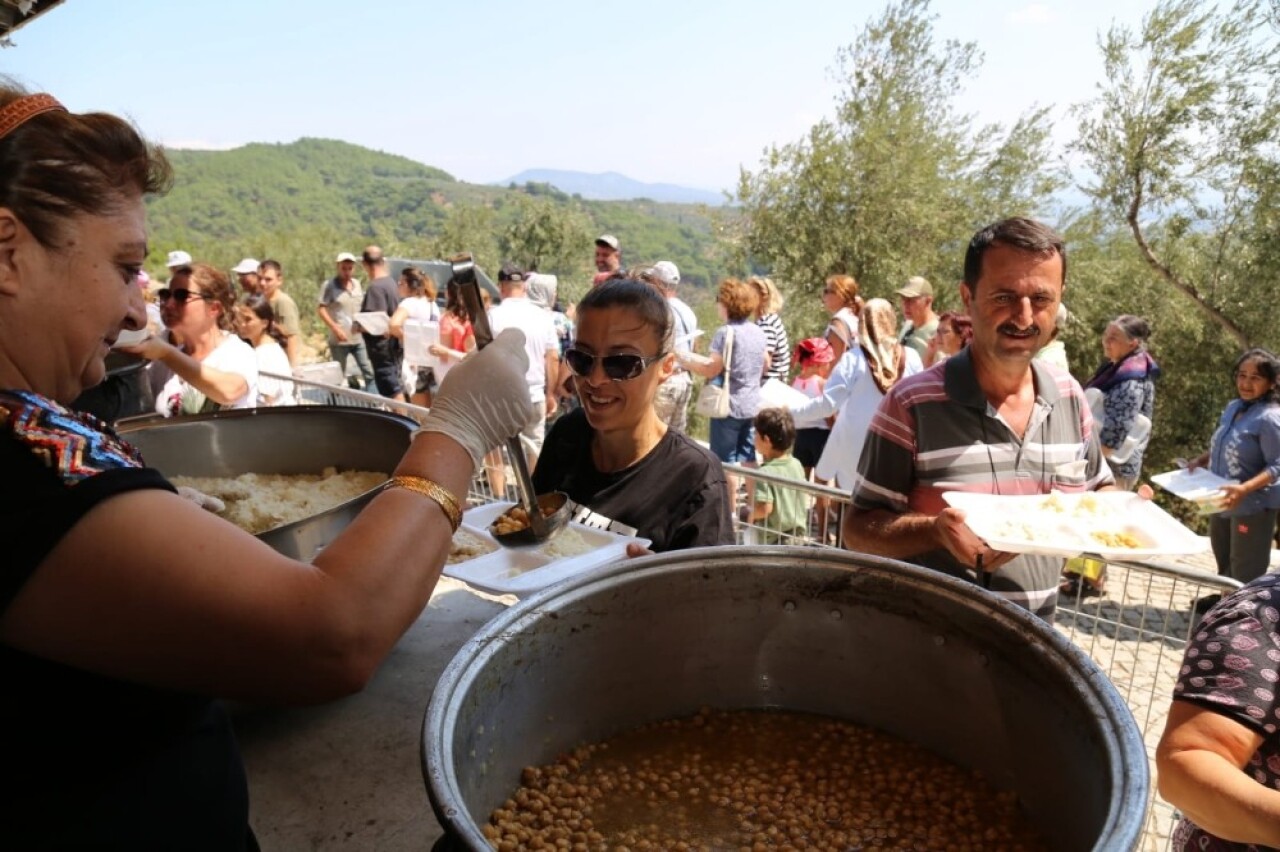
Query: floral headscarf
[(878, 336)]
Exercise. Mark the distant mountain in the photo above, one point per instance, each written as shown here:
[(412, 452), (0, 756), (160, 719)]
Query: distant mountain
[(611, 186)]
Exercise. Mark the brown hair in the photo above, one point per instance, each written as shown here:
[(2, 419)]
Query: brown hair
[(847, 289), (1026, 235), (59, 164), (213, 282), (960, 323), (770, 297), (739, 299), (418, 282)]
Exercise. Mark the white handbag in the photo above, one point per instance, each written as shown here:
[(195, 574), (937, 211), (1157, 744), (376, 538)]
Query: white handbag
[(713, 399)]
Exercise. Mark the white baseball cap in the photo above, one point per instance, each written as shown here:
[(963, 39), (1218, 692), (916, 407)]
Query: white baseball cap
[(346, 256), (178, 258), (668, 272), (245, 266)]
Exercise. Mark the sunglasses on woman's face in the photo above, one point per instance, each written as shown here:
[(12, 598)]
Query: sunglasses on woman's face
[(180, 295), (618, 368)]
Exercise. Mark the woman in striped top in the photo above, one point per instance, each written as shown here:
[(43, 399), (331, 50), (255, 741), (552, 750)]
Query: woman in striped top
[(777, 344)]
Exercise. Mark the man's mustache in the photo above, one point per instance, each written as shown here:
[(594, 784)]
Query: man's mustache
[(1010, 328)]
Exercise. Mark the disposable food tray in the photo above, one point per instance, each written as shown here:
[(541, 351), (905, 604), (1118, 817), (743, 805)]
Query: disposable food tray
[(523, 570), (1067, 525)]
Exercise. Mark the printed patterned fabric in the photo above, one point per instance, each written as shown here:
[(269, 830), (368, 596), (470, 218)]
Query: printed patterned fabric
[(1233, 668), (74, 445)]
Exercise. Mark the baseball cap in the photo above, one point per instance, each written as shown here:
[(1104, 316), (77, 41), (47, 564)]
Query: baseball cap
[(345, 256), (178, 258), (916, 286), (510, 272), (245, 266), (608, 240), (815, 349), (667, 272)]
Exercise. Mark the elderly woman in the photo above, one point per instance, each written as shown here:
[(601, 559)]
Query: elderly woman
[(840, 297), (621, 466), (1219, 758), (120, 597), (777, 344), (732, 438), (256, 325), (1246, 449), (200, 365), (955, 330)]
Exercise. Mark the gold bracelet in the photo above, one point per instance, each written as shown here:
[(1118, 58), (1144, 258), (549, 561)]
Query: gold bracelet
[(427, 488)]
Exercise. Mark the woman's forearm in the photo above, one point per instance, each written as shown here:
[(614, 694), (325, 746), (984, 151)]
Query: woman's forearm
[(1219, 797), (220, 386)]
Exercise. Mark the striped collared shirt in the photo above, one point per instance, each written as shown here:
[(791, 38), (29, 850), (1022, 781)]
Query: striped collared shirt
[(936, 432)]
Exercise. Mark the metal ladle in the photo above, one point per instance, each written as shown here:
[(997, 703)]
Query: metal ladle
[(541, 527)]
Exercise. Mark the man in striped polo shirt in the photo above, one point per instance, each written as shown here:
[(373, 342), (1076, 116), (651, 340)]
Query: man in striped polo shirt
[(988, 419)]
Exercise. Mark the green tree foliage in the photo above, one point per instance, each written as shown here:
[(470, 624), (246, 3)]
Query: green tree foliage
[(896, 183), (1182, 146)]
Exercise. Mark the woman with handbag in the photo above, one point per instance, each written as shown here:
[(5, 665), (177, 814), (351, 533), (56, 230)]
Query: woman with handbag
[(738, 360), (622, 468)]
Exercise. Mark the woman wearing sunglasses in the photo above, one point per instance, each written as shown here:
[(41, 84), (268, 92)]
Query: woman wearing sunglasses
[(122, 599), (614, 457), (200, 365)]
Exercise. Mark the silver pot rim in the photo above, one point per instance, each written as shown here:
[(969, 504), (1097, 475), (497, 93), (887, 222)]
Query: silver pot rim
[(1127, 811)]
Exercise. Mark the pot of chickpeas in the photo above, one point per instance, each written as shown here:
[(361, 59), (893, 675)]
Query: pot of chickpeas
[(784, 698)]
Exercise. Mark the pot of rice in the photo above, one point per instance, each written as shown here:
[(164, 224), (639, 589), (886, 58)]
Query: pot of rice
[(685, 641), (293, 476)]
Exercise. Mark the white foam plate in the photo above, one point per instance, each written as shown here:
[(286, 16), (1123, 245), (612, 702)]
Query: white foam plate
[(129, 337), (1064, 524), (1197, 485), (523, 570)]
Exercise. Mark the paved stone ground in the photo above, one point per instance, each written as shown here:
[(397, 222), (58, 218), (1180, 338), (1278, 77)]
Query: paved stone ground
[(1136, 632)]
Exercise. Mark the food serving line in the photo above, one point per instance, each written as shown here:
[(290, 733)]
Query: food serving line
[(347, 775)]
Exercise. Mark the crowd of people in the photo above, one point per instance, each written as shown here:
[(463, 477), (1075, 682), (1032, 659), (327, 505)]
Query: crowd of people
[(95, 618)]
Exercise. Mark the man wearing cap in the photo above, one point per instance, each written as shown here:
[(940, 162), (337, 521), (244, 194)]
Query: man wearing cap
[(608, 258), (340, 299), (178, 260), (989, 420), (247, 274), (542, 345), (917, 307), (385, 352), (671, 403), (271, 280)]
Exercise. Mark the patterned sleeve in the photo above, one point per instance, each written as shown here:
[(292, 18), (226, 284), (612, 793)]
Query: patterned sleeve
[(1233, 662), (886, 470), (1122, 405), (1097, 471)]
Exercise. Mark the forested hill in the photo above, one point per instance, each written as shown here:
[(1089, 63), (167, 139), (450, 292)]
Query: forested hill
[(301, 202)]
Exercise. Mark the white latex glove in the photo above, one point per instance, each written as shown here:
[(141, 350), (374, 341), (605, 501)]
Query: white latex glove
[(204, 501), (484, 400)]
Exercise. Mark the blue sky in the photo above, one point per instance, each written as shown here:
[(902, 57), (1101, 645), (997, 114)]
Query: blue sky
[(662, 91)]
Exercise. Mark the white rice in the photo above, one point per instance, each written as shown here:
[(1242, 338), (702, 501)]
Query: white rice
[(466, 546), (568, 543), (259, 502)]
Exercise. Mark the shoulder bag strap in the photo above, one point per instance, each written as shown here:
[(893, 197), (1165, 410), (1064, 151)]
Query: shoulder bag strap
[(728, 356)]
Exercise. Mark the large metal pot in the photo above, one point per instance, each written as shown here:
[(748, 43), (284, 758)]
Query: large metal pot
[(901, 648), (286, 440)]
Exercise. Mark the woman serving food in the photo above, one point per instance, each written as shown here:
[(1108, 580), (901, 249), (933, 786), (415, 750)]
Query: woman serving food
[(102, 611), (614, 457)]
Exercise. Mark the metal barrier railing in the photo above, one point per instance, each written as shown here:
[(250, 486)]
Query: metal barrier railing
[(1136, 631)]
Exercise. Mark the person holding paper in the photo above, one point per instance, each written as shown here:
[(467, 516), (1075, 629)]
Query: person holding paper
[(1246, 448), (417, 303)]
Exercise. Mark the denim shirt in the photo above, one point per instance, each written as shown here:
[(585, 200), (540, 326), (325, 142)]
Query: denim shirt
[(1248, 441)]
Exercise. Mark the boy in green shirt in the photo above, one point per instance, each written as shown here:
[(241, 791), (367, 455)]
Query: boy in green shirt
[(778, 509)]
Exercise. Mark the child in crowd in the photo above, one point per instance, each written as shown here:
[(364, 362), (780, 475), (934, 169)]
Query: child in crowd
[(816, 358), (780, 510)]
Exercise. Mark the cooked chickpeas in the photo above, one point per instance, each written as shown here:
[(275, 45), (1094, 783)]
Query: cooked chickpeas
[(758, 781)]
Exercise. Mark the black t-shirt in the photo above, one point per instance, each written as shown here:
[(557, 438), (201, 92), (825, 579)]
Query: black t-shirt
[(94, 762), (675, 496), (383, 295)]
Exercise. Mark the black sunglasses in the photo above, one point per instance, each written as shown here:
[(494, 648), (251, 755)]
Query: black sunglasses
[(618, 368), (181, 294)]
